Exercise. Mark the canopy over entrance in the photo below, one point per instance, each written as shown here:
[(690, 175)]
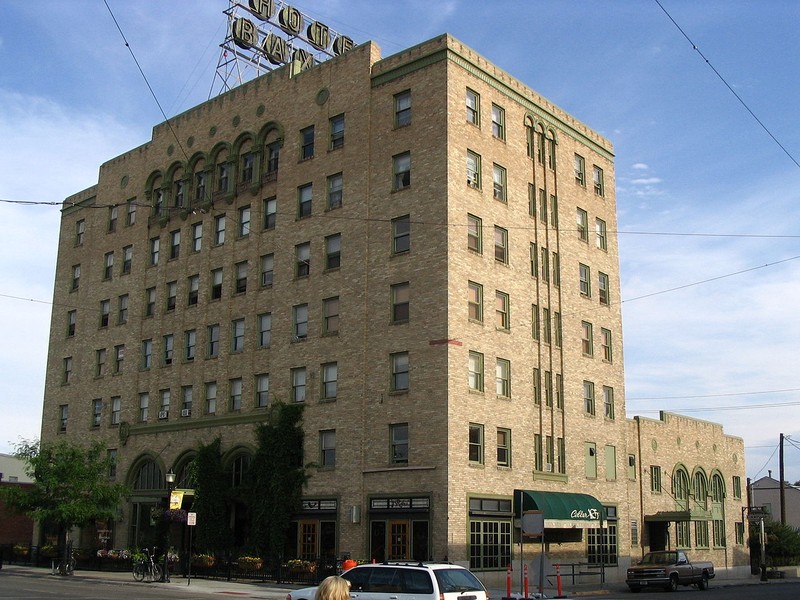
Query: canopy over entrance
[(561, 509)]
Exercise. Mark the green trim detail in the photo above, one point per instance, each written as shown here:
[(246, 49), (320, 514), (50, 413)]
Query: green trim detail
[(186, 424)]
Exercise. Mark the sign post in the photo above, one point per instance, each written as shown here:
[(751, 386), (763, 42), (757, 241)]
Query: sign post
[(533, 526), (191, 521)]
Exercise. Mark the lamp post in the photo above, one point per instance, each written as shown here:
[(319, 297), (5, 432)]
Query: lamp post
[(170, 477)]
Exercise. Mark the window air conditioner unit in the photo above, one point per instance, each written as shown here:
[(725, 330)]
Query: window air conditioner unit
[(163, 414), (186, 412), (548, 467)]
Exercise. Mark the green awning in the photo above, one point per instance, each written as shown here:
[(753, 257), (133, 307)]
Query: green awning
[(561, 509)]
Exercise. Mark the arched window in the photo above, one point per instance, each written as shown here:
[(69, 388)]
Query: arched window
[(239, 467), (149, 477), (680, 488), (700, 489), (717, 489)]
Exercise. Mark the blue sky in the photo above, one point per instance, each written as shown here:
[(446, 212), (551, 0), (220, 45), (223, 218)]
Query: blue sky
[(704, 193)]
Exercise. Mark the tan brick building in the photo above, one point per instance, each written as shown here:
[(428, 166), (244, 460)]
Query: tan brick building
[(422, 250)]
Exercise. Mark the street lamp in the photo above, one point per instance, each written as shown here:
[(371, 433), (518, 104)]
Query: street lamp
[(170, 477)]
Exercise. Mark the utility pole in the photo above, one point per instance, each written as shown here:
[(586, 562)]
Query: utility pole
[(783, 485)]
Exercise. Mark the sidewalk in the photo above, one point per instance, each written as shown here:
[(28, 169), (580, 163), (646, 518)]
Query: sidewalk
[(273, 591)]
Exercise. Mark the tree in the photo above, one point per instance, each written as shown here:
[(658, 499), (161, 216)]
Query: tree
[(210, 498), (70, 487), (277, 477)]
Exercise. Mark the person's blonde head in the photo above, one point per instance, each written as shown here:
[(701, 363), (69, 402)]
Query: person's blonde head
[(333, 588)]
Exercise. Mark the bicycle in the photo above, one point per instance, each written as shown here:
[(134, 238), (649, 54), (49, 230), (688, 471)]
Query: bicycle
[(65, 567), (147, 568)]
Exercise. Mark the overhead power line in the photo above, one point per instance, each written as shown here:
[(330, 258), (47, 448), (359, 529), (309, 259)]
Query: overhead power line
[(727, 85)]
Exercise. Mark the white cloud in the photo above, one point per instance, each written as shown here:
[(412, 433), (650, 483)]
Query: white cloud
[(646, 181)]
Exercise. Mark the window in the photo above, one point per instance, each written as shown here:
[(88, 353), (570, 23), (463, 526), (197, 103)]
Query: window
[(548, 389), (80, 232), (503, 378), (216, 284), (475, 444), (557, 327), (219, 230), (545, 260), (537, 386), (158, 202), (193, 290), (273, 160), (335, 184), (551, 152), (402, 171), (304, 196), (559, 391), (330, 376), (590, 452), (535, 322), (235, 389), (473, 169), (267, 269), (300, 322), (150, 302), (299, 384), (401, 234), (489, 536), (501, 308), (330, 315), (211, 397), (602, 545), (240, 285), (147, 354), (475, 371), (475, 301), (499, 182), (164, 409), (247, 163), (172, 295), (105, 312), (400, 369), (223, 175), (127, 259), (262, 390), (474, 234), (307, 143), (655, 478), (174, 244), (503, 447), (605, 343), (582, 220), (237, 335), (608, 402), (76, 277), (739, 533), (155, 249), (63, 415), (473, 102), (122, 309), (603, 288), (398, 434), (244, 221), (264, 330), (189, 344), (112, 218), (549, 456), (400, 302), (302, 259), (534, 259), (67, 371), (580, 170), (588, 397), (587, 339), (212, 335), (72, 319), (402, 108), (327, 448), (737, 487), (200, 186), (556, 270), (108, 270), (498, 122), (333, 251), (144, 407), (602, 237), (585, 280), (186, 400), (168, 342), (500, 245), (270, 212), (562, 455), (130, 216), (683, 534), (116, 409), (597, 176), (337, 132)]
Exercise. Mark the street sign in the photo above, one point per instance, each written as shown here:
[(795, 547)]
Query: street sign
[(191, 519)]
